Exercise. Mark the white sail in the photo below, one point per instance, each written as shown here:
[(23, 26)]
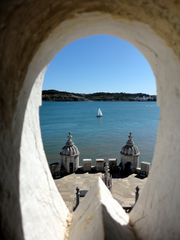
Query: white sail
[(99, 113)]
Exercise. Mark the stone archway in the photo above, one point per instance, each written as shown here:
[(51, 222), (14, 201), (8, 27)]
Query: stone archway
[(31, 34)]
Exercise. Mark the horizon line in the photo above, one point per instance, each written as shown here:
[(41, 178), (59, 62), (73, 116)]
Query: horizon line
[(98, 92)]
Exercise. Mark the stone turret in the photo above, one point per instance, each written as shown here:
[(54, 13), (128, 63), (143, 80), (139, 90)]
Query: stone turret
[(130, 155), (69, 156)]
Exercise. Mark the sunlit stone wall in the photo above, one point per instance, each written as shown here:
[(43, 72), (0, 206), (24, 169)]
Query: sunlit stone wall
[(31, 33), (44, 212)]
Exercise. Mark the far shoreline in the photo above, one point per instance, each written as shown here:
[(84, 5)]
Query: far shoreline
[(61, 96)]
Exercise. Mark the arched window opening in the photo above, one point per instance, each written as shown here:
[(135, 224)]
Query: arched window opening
[(105, 75), (29, 196)]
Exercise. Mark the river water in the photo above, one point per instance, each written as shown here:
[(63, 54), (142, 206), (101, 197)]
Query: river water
[(99, 137)]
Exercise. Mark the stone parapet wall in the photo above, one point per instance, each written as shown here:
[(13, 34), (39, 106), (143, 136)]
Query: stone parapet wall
[(31, 33)]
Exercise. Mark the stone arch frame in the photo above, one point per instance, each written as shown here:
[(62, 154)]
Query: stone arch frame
[(25, 51)]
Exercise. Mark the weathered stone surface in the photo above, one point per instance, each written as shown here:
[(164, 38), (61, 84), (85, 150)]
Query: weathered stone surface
[(100, 216), (31, 33), (123, 189), (41, 204), (67, 186)]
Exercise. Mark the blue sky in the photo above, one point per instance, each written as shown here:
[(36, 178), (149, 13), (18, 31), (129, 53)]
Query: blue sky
[(100, 63)]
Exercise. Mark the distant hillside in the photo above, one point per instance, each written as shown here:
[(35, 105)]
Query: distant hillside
[(54, 95)]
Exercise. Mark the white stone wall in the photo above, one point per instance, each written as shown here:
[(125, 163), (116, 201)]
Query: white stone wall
[(152, 222), (76, 162), (66, 160), (134, 160), (44, 212), (100, 217), (25, 50), (162, 190), (156, 214)]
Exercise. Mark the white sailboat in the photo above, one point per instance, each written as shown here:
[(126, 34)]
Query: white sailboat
[(99, 113)]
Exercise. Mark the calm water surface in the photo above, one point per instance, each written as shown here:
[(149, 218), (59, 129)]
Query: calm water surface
[(99, 137)]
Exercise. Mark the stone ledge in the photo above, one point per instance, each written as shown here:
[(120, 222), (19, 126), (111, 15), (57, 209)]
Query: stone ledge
[(100, 217)]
